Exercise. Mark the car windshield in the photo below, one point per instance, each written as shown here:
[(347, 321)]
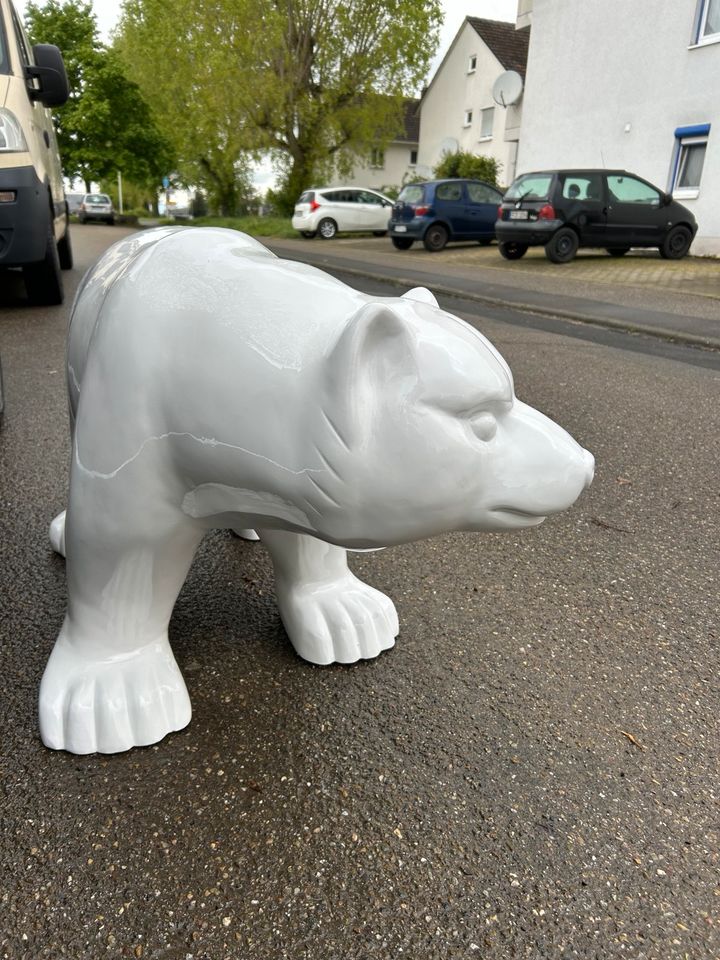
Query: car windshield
[(307, 197), (412, 193), (533, 186), (97, 198)]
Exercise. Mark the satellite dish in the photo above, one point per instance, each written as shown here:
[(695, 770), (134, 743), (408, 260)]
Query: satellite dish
[(449, 145), (508, 88)]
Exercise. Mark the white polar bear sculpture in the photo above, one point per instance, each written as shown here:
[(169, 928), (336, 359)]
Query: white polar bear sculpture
[(214, 385)]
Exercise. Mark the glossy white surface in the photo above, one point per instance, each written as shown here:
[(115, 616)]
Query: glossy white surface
[(214, 385)]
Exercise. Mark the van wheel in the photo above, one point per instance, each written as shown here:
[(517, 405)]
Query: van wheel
[(617, 251), (327, 228), (402, 243), (676, 243), (435, 238), (43, 282), (562, 246), (65, 253), (512, 251)]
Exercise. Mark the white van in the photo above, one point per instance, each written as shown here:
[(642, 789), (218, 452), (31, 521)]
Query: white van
[(34, 221)]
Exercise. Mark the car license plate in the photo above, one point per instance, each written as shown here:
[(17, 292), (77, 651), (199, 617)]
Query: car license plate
[(518, 214), (400, 229)]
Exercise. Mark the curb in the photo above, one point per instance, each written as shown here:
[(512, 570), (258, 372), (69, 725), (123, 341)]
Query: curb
[(672, 336)]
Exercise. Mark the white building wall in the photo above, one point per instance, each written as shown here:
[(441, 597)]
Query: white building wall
[(395, 168), (453, 91), (609, 82)]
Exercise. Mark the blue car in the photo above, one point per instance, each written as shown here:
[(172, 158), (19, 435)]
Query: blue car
[(440, 211)]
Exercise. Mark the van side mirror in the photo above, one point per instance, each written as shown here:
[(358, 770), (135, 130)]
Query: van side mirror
[(49, 71)]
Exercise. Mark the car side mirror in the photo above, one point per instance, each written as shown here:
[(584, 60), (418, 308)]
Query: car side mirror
[(49, 71), (666, 199)]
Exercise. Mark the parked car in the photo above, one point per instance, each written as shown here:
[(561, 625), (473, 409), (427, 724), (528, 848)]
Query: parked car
[(327, 210), (34, 222), (74, 200), (614, 209), (96, 206), (439, 211)]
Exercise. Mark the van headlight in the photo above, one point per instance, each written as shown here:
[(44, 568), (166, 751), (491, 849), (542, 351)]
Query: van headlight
[(12, 139)]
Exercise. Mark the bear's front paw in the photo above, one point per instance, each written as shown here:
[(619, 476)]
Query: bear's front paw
[(340, 621), (107, 706)]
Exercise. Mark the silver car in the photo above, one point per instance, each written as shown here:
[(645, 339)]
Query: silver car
[(96, 206)]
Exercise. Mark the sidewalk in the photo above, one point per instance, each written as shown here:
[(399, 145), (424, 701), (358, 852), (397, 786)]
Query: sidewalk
[(641, 293)]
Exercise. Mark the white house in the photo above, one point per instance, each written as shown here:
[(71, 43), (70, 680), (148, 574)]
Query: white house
[(457, 110), (634, 86), (392, 165)]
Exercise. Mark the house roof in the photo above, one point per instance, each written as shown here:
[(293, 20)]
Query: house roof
[(509, 45), (410, 132)]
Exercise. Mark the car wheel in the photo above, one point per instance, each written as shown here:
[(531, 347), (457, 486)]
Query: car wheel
[(379, 233), (308, 234), (43, 281), (617, 251), (435, 238), (676, 243), (562, 246), (327, 228), (402, 243), (65, 253), (512, 251), (111, 221)]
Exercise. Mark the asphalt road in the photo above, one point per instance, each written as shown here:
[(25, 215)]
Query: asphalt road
[(531, 772)]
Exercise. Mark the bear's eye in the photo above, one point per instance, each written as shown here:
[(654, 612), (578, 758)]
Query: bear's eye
[(484, 426)]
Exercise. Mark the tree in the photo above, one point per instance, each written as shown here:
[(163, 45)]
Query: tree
[(468, 166), (312, 81), (106, 125)]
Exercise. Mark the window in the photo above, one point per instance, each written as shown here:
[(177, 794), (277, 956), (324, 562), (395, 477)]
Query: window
[(472, 63), (365, 196), (480, 193), (708, 21), (413, 157), (688, 160), (532, 186), (486, 123), (468, 118), (582, 187), (449, 191), (624, 189), (377, 158), (412, 193)]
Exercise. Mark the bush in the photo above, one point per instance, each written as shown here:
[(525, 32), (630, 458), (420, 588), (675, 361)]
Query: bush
[(468, 166)]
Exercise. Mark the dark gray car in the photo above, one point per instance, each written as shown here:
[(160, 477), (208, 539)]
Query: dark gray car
[(566, 209)]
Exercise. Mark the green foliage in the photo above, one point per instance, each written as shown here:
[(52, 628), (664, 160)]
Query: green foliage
[(106, 124), (255, 226), (468, 166), (311, 81)]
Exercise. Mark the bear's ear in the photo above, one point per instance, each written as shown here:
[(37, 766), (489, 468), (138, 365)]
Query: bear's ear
[(421, 295), (371, 365)]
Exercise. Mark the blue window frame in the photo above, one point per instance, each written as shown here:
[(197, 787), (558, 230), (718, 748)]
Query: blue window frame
[(688, 159)]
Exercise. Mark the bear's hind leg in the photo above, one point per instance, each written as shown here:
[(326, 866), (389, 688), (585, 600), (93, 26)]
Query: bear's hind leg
[(57, 534), (112, 682), (329, 614)]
